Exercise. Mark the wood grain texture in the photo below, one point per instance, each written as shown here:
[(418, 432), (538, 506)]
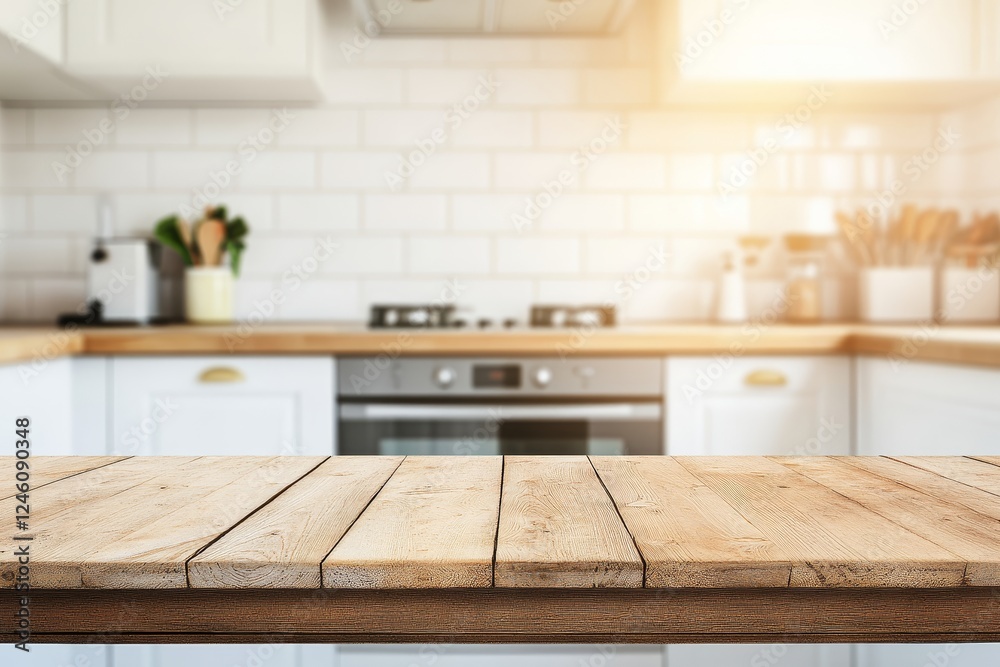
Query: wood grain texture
[(992, 460), (47, 469), (832, 541), (686, 533), (977, 474), (432, 525), (930, 483), (142, 536), (283, 545), (559, 528), (972, 537), (619, 616), (20, 345)]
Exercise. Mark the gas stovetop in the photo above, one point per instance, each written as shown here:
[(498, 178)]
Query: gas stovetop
[(436, 316)]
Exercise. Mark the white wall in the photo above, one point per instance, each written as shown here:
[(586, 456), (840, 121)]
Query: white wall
[(325, 175)]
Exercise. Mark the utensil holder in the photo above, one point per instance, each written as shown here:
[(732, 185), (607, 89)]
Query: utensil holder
[(892, 294), (208, 294), (969, 295)]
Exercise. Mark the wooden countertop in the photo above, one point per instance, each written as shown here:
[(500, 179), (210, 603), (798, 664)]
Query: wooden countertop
[(967, 345), (542, 548)]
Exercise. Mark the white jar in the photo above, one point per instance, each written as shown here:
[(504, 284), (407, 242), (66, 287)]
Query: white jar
[(970, 295), (896, 295), (208, 294)]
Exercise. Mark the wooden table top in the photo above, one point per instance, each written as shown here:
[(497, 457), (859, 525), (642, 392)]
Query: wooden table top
[(443, 530)]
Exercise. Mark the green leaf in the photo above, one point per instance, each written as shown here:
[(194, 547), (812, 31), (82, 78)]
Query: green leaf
[(218, 213), (236, 229), (167, 233), (235, 250)]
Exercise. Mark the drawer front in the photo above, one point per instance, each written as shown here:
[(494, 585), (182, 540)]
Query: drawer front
[(758, 406), (188, 406)]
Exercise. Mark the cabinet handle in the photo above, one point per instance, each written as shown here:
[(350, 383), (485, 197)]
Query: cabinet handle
[(221, 374), (766, 379)]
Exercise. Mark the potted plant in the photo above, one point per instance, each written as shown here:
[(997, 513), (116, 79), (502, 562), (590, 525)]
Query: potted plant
[(208, 285)]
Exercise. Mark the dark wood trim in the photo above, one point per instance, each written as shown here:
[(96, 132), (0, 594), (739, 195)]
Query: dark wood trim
[(621, 616)]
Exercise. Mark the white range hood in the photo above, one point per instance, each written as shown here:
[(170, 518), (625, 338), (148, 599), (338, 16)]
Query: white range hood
[(554, 17)]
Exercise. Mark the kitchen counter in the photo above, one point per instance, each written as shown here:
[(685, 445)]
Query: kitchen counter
[(969, 345), (515, 549)]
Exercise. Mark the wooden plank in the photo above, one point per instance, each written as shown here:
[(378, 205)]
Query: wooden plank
[(992, 460), (976, 474), (283, 545), (686, 533), (141, 536), (969, 535), (832, 541), (929, 483), (559, 528), (613, 616), (45, 470), (432, 525)]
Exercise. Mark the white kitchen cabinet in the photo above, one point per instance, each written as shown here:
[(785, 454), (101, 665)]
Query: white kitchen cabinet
[(230, 405), (224, 49), (756, 405), (933, 655), (758, 655), (40, 390), (447, 655), (867, 51), (59, 655), (225, 655), (926, 409)]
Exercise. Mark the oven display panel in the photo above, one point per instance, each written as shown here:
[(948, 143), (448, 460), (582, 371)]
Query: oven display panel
[(507, 376)]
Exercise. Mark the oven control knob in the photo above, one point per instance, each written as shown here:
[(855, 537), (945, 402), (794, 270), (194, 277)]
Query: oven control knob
[(444, 377), (542, 377)]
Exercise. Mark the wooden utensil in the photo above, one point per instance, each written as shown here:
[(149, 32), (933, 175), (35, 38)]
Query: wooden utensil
[(184, 229), (211, 234)]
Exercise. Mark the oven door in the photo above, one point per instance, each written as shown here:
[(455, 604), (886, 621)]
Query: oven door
[(421, 429)]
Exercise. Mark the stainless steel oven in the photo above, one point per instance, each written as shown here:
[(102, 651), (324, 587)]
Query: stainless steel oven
[(467, 406)]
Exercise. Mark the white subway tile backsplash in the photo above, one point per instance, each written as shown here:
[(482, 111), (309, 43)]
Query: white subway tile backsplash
[(583, 212), (136, 214), (535, 170), (450, 255), (538, 256), (577, 129), (689, 213), (14, 300), (13, 126), (52, 296), (64, 213), (615, 87), (13, 213), (453, 171), (627, 172), (360, 255), (669, 300), (321, 128), (692, 171), (72, 126), (406, 212), (184, 170), (495, 299), (350, 85), (539, 86), (444, 88), (688, 131), (275, 256), (404, 51), (581, 291), (319, 212), (487, 212), (348, 171), (270, 170), (257, 210), (496, 50), (318, 299), (113, 171), (415, 290), (34, 170), (227, 128), (643, 256), (582, 51), (493, 129), (156, 127), (27, 255), (405, 129)]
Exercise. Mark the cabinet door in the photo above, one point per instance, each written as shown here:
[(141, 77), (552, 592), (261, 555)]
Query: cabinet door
[(445, 655), (218, 655), (927, 409), (759, 655), (41, 391), (814, 40), (188, 406), (935, 655), (756, 406)]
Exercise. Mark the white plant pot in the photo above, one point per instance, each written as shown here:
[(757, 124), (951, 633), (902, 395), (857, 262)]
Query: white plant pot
[(208, 294), (970, 295), (889, 294)]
